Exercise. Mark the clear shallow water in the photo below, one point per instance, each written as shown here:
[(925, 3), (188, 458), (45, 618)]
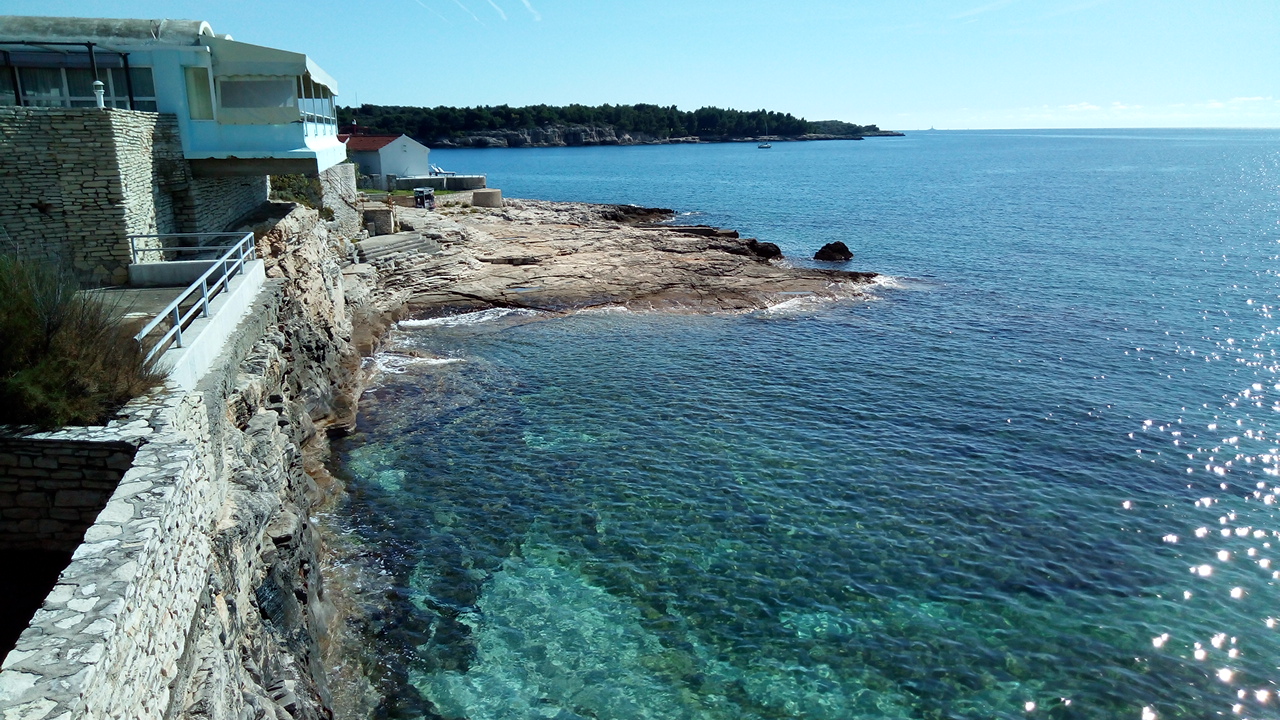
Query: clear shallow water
[(1033, 477)]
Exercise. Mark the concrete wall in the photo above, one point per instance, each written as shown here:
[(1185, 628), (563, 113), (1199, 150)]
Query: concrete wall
[(442, 182), (75, 182)]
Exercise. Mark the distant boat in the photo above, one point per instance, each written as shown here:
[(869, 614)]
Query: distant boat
[(765, 145)]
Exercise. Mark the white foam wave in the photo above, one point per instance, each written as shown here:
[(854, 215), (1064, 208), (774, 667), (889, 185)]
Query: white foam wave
[(795, 304), (397, 364), (605, 310), (471, 318)]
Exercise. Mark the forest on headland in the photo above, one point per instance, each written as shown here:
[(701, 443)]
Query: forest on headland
[(428, 125)]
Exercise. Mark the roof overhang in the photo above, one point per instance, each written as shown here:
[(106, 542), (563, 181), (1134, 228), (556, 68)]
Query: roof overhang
[(103, 31), (231, 57)]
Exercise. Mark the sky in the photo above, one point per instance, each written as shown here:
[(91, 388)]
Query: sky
[(911, 64)]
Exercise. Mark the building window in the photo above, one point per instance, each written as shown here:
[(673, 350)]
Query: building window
[(318, 107), (199, 95), (73, 87), (267, 93)]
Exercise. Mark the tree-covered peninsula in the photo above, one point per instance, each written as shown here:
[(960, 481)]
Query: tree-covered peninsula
[(502, 125)]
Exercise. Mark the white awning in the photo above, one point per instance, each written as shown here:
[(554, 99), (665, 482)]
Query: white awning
[(231, 57)]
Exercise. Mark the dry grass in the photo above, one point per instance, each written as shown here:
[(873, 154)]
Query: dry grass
[(65, 356)]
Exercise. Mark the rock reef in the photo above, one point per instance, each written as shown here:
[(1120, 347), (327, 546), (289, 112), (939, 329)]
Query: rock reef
[(555, 256)]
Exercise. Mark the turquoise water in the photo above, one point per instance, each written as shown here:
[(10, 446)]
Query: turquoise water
[(1032, 476)]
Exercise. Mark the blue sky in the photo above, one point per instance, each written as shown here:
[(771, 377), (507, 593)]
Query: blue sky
[(913, 64)]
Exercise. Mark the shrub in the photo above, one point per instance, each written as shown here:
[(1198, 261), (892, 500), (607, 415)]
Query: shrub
[(68, 359), (301, 189)]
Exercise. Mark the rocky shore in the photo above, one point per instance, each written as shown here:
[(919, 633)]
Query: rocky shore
[(556, 256), (588, 135)]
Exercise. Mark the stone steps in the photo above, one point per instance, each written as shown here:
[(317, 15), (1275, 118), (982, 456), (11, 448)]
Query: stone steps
[(385, 248)]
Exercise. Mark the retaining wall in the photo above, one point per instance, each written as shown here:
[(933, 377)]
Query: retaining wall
[(51, 490), (74, 182)]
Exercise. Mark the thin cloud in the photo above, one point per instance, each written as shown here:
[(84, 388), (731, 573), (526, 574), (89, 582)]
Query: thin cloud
[(433, 12), (537, 16), (467, 10), (983, 9), (501, 14), (1082, 107)]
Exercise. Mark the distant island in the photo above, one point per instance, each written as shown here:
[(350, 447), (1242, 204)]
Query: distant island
[(572, 125)]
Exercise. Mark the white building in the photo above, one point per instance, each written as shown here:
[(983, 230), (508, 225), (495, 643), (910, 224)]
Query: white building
[(242, 109), (398, 155)]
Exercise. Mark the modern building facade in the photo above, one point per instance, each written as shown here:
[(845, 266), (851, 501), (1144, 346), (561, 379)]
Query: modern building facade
[(189, 127), (241, 109)]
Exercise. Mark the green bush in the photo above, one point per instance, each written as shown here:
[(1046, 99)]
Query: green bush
[(67, 357), (301, 189)]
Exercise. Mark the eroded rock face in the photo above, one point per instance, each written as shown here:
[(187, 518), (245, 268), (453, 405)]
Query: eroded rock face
[(268, 630), (834, 252), (566, 256)]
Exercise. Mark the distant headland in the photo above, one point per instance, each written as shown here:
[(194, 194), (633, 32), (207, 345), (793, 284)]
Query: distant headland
[(583, 125)]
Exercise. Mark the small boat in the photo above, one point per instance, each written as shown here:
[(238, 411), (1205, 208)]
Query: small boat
[(764, 146)]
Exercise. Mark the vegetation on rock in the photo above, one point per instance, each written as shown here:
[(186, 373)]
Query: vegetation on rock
[(68, 359), (430, 124)]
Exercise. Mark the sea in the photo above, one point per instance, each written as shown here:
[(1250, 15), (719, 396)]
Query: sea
[(1033, 473)]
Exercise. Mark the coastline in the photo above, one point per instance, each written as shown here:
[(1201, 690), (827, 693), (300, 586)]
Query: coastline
[(561, 256), (552, 257), (595, 137)]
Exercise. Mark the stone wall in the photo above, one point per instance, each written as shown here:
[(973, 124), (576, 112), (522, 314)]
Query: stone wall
[(339, 192), (197, 593), (61, 194), (75, 182), (52, 490), (218, 202)]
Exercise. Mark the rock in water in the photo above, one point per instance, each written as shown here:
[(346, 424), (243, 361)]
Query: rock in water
[(765, 250), (834, 252)]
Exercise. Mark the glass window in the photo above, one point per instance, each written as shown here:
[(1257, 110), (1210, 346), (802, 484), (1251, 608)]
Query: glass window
[(6, 87), (42, 87), (199, 97), (143, 83), (80, 83), (272, 93)]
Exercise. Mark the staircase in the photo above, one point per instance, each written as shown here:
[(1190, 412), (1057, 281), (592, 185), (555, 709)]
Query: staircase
[(389, 249)]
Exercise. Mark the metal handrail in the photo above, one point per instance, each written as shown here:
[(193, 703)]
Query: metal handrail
[(231, 264), (135, 251)]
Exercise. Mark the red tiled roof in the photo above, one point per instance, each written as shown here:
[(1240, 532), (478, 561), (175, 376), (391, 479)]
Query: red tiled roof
[(367, 143)]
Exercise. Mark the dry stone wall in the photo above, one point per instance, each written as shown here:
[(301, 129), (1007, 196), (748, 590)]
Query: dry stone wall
[(197, 593), (74, 182), (340, 195), (51, 490)]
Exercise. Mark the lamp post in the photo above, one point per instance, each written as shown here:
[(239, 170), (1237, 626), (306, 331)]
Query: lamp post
[(99, 90)]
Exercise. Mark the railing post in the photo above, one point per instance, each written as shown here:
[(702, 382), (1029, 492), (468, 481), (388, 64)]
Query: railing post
[(177, 325), (204, 295)]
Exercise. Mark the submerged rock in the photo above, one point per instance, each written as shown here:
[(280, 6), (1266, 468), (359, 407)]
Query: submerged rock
[(834, 252)]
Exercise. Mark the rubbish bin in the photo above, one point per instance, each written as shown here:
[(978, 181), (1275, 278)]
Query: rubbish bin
[(424, 197)]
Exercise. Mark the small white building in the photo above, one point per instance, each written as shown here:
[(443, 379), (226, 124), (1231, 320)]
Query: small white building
[(398, 155), (242, 109)]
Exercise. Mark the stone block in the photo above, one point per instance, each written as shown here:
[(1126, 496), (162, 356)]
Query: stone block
[(79, 499), (32, 500)]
